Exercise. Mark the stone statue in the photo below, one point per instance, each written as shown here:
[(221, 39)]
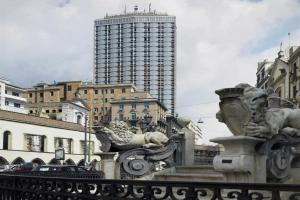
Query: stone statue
[(119, 136), (266, 141), (246, 111)]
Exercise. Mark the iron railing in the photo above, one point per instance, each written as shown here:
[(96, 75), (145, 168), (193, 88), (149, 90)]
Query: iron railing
[(21, 187)]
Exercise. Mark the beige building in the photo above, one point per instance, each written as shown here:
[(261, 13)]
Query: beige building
[(98, 98), (140, 113)]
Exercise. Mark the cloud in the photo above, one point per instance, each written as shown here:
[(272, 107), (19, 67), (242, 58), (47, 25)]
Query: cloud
[(219, 43), (62, 3)]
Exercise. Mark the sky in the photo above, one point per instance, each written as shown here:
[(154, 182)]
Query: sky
[(219, 43)]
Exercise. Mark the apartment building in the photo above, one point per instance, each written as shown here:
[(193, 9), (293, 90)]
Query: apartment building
[(140, 113), (294, 74), (11, 97), (283, 76), (138, 47), (98, 98)]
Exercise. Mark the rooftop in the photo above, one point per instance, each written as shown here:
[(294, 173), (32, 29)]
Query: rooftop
[(57, 104), (138, 100), (137, 13), (40, 121)]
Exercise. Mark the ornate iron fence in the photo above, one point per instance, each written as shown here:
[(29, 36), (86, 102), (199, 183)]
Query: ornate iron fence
[(21, 187)]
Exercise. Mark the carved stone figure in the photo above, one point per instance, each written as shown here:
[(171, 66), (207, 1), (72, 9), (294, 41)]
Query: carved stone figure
[(245, 111), (250, 111), (119, 136)]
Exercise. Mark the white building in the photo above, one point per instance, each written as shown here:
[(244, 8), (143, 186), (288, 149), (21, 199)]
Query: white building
[(263, 73), (26, 138), (69, 111), (193, 127), (11, 97)]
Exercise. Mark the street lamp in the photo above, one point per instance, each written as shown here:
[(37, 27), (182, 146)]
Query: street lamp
[(85, 139), (200, 121)]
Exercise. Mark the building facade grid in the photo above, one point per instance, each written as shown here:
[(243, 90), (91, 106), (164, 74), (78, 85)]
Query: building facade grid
[(140, 49)]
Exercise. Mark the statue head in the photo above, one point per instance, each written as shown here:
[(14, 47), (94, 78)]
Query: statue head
[(241, 105)]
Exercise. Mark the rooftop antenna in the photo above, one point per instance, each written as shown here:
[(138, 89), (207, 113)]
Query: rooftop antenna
[(280, 53), (149, 7), (289, 37)]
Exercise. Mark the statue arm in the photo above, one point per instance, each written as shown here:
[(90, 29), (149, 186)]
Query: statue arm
[(255, 130), (291, 131)]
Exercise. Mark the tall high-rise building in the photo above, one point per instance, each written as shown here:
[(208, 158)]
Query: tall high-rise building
[(138, 48)]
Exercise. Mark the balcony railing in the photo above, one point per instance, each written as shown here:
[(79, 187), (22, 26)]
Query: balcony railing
[(33, 187)]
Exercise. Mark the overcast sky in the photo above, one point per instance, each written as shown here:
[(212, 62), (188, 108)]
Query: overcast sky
[(219, 43)]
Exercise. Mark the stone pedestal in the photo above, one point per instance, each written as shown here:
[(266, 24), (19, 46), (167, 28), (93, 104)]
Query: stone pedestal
[(108, 164), (188, 147), (240, 162)]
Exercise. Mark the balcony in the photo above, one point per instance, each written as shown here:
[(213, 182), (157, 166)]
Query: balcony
[(12, 97)]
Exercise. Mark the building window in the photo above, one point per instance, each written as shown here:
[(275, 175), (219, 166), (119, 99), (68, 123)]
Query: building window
[(65, 143), (121, 117), (41, 94), (133, 116), (34, 142), (105, 91), (95, 109), (31, 111), (112, 91), (51, 93), (295, 69), (105, 100), (69, 87), (96, 91), (53, 111), (30, 95), (123, 90), (60, 110), (6, 103), (5, 91), (79, 119), (85, 91), (133, 106), (47, 111), (15, 94), (146, 105), (17, 105), (121, 106), (294, 91), (6, 136)]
